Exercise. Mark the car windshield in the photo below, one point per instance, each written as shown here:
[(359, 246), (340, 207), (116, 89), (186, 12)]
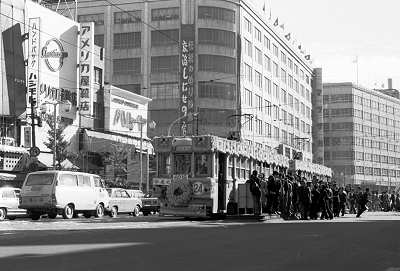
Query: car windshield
[(40, 179)]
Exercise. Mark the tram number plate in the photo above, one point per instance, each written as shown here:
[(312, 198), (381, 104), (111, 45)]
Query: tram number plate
[(198, 188)]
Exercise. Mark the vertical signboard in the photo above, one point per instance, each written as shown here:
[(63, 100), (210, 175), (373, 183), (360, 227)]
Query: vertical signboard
[(86, 68), (33, 61), (187, 75)]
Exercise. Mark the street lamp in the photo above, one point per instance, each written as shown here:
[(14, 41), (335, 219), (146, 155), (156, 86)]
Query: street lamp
[(152, 125), (43, 109)]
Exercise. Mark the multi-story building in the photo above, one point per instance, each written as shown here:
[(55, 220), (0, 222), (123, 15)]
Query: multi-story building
[(245, 77), (361, 135)]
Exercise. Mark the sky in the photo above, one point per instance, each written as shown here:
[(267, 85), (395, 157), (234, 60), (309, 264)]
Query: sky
[(335, 32)]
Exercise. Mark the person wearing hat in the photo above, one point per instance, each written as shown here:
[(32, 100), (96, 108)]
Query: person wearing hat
[(255, 189)]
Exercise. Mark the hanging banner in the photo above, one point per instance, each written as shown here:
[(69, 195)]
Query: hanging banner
[(187, 75), (86, 68), (33, 61)]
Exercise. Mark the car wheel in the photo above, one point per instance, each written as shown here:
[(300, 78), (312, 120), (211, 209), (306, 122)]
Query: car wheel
[(146, 213), (136, 211), (99, 211), (68, 212), (52, 215), (114, 212), (3, 213), (11, 218), (35, 216), (87, 214)]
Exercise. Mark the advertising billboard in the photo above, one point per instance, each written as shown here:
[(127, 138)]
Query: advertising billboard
[(187, 75)]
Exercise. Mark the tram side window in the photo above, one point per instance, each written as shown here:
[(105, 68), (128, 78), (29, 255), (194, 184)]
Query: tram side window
[(164, 164), (182, 163), (203, 165)]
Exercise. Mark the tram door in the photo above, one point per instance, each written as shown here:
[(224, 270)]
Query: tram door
[(221, 181)]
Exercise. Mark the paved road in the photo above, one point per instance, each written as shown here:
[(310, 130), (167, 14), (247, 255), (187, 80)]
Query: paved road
[(370, 243)]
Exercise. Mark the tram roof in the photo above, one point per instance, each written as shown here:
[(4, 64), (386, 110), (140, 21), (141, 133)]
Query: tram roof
[(212, 143)]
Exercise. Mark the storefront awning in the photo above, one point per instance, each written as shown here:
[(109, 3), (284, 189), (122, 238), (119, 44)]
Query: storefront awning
[(103, 142)]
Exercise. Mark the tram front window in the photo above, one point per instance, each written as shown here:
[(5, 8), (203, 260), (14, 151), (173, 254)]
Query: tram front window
[(182, 163), (202, 165)]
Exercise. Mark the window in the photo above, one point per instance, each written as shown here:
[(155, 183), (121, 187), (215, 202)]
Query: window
[(84, 181), (127, 40), (275, 50), (165, 14), (168, 90), (216, 37), (248, 73), (217, 90), (40, 179), (276, 70), (216, 63), (290, 81), (290, 64), (267, 43), (267, 63), (164, 63), (164, 37), (247, 25), (258, 56), (248, 48), (276, 91), (257, 34), (127, 17), (98, 76), (202, 164), (283, 58), (258, 79), (127, 66), (283, 76), (99, 40), (216, 13), (98, 182), (259, 103), (98, 19), (267, 85), (67, 180), (182, 163)]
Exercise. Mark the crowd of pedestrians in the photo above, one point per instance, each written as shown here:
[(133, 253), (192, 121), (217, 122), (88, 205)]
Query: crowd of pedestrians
[(295, 197)]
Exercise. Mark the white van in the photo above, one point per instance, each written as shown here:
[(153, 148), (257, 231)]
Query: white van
[(63, 192)]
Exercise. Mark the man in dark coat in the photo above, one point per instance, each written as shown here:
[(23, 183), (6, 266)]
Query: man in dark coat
[(336, 200), (255, 189), (362, 202), (305, 199), (343, 200), (315, 204)]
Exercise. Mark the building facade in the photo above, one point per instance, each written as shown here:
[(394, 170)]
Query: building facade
[(52, 72), (361, 135), (221, 67)]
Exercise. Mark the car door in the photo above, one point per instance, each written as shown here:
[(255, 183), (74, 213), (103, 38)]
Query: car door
[(129, 204)]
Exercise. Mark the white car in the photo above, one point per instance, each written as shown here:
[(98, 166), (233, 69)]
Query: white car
[(122, 202), (9, 201)]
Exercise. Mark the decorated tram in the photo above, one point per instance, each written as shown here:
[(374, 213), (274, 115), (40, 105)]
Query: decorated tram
[(199, 176)]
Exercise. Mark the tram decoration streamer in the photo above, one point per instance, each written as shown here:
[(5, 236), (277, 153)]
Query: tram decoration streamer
[(179, 192)]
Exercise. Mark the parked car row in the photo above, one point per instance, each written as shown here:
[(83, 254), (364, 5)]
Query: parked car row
[(68, 194)]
